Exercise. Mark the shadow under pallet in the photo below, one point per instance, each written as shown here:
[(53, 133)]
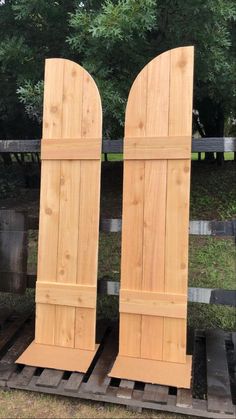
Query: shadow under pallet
[(213, 392)]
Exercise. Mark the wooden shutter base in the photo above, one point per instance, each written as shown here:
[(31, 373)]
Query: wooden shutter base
[(58, 357), (152, 371)]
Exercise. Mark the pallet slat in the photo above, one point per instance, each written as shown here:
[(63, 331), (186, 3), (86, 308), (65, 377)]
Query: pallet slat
[(74, 382), (156, 393), (130, 393), (25, 376), (99, 381), (184, 398), (7, 366), (218, 383), (50, 378), (125, 389), (13, 328)]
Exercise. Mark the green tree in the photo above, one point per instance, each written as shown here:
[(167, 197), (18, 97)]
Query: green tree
[(30, 31), (114, 40), (121, 36)]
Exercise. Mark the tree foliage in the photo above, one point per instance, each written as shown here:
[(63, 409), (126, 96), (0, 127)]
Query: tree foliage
[(114, 40)]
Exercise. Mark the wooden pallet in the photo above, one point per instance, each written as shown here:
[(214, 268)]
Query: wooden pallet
[(212, 384)]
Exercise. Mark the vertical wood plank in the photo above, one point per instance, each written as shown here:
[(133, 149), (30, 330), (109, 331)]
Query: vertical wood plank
[(132, 228), (88, 214), (49, 199), (132, 253), (69, 201), (155, 203), (177, 210), (67, 247)]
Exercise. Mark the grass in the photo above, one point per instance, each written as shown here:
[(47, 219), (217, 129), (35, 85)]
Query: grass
[(211, 265), (119, 157), (213, 192), (20, 404)]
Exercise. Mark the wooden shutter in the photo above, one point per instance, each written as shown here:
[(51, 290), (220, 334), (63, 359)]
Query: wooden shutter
[(154, 271), (69, 220)]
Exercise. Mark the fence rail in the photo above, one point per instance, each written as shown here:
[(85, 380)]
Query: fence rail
[(107, 286), (196, 227), (14, 226), (208, 144)]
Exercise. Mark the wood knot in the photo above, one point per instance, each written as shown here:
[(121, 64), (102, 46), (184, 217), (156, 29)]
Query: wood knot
[(186, 169), (48, 211), (141, 125), (182, 63), (54, 109)]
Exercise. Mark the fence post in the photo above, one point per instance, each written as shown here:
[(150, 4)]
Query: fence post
[(13, 251)]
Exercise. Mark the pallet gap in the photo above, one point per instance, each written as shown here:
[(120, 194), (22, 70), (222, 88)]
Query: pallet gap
[(199, 387), (139, 385), (172, 391), (115, 382), (231, 355), (99, 352)]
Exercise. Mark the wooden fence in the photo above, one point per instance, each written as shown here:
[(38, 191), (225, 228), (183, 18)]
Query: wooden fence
[(14, 228), (106, 285)]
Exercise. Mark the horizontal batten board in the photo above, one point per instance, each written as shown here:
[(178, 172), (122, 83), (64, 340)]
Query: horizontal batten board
[(195, 295), (153, 303), (155, 308), (73, 295), (154, 148), (217, 144), (71, 149)]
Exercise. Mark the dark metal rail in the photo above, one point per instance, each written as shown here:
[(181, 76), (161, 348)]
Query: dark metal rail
[(107, 286), (198, 227), (213, 144)]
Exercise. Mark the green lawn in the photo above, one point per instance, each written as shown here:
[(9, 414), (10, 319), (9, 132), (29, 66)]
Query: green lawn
[(119, 157)]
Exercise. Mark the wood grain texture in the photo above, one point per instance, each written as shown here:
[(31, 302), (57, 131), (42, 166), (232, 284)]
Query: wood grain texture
[(157, 152), (157, 148), (71, 149), (58, 357), (147, 370), (66, 294), (153, 303), (178, 191), (70, 190)]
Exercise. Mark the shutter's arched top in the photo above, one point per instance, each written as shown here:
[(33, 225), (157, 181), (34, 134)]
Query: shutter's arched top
[(72, 103), (160, 99)]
